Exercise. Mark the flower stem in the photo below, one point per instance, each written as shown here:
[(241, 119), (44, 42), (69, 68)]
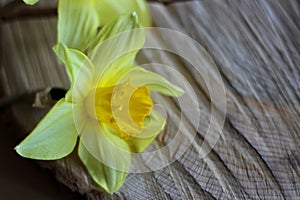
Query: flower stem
[(41, 98)]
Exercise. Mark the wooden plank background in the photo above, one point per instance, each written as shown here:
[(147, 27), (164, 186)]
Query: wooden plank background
[(255, 45)]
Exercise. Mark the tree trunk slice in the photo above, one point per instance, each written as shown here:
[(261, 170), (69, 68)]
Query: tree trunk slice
[(256, 47)]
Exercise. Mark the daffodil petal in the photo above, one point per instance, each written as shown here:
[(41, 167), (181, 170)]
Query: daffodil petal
[(54, 137), (108, 178), (107, 165), (111, 9), (116, 47), (118, 25), (117, 72), (79, 68), (77, 23), (30, 2), (108, 149), (141, 141), (155, 82)]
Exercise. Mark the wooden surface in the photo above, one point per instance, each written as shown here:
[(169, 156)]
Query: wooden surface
[(256, 47)]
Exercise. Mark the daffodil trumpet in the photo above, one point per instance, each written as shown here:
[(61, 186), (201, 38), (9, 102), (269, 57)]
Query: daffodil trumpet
[(108, 106)]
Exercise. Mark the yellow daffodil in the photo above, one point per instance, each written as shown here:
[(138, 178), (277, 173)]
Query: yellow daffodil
[(30, 2), (79, 20), (108, 106)]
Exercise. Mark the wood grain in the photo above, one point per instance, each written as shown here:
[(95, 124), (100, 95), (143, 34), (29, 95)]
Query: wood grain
[(256, 47)]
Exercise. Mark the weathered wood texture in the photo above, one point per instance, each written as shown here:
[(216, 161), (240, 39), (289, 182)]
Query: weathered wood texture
[(256, 47)]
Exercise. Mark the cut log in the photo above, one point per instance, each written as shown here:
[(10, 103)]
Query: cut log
[(255, 46)]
